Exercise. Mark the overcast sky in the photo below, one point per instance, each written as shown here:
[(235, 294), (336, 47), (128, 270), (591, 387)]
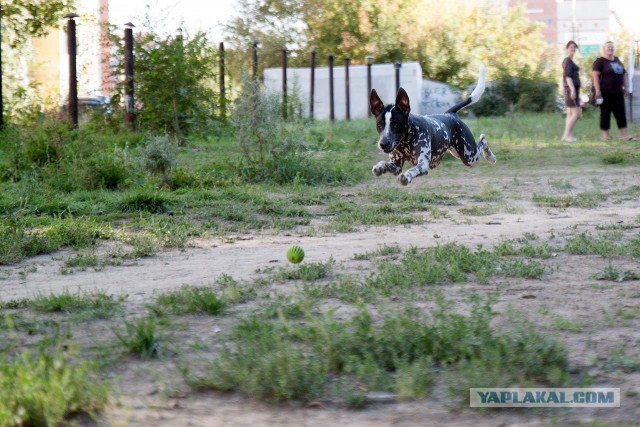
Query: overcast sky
[(196, 14), (210, 15)]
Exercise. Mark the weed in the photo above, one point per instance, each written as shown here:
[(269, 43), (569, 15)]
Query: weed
[(567, 324), (88, 305), (307, 272), (519, 268), (620, 359), (48, 389), (384, 250), (614, 274), (192, 300), (140, 337)]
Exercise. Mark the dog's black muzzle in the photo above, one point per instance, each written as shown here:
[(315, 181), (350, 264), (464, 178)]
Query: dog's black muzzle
[(386, 145)]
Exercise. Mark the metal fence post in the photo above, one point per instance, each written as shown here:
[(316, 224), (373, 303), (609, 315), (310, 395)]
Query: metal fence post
[(129, 114), (397, 66), (255, 59), (284, 82), (332, 115), (223, 96), (313, 83), (1, 102), (369, 59), (346, 88), (73, 77)]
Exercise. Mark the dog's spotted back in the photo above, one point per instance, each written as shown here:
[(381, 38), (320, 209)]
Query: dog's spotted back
[(423, 140)]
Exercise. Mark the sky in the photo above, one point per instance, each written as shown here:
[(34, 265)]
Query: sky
[(210, 15), (196, 15)]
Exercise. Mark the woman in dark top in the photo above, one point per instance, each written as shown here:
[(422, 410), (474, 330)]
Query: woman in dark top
[(610, 83), (571, 84)]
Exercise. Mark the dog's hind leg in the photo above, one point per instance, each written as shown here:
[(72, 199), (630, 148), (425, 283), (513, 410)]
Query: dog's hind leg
[(471, 152), (486, 151)]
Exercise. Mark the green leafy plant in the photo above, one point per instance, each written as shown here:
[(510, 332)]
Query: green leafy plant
[(48, 389)]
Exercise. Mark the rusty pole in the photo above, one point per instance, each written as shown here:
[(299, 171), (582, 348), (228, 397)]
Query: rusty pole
[(1, 103), (369, 59), (313, 83), (255, 59), (73, 77), (346, 88), (129, 114), (332, 115), (284, 82), (223, 99)]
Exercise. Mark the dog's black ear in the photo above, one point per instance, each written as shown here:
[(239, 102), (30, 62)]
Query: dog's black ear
[(375, 103), (402, 101)]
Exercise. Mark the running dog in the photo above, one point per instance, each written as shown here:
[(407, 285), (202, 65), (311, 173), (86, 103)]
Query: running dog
[(423, 140)]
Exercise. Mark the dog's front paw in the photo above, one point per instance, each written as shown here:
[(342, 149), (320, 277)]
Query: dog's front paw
[(403, 179), (377, 170)]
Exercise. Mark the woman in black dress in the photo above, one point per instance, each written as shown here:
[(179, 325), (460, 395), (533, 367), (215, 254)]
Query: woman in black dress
[(571, 84)]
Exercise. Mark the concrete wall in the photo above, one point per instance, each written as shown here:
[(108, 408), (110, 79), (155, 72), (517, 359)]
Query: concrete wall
[(383, 80)]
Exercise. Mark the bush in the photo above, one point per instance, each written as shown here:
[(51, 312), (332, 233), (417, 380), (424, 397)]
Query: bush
[(516, 94), (47, 389)]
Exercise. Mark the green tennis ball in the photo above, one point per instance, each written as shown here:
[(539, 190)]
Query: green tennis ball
[(295, 254)]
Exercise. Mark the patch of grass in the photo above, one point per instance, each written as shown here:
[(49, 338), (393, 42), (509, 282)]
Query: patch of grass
[(144, 201), (567, 324), (86, 305), (48, 389), (348, 215), (525, 248), (615, 274), (443, 264), (488, 194), (285, 360), (382, 251), (191, 300), (309, 272), (140, 337), (582, 200), (481, 210), (616, 157), (346, 288), (585, 244), (620, 360), (518, 267), (289, 307), (82, 261)]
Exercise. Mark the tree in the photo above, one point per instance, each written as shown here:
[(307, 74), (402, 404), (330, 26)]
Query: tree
[(448, 38), (22, 19)]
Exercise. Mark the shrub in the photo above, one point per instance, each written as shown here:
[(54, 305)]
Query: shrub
[(516, 94), (46, 390)]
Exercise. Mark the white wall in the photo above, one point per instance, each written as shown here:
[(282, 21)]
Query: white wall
[(383, 80)]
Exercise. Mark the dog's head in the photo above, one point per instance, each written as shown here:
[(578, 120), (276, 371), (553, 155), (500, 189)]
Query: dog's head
[(392, 121)]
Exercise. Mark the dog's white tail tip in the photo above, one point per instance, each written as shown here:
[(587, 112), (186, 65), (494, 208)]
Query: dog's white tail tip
[(479, 89)]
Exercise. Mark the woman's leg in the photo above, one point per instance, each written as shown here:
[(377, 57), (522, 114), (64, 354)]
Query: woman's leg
[(573, 113), (605, 116)]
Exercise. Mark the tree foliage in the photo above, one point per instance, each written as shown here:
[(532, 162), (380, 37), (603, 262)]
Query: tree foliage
[(22, 19), (448, 38)]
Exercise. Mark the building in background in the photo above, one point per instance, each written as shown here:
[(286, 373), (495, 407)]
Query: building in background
[(588, 22), (93, 55)]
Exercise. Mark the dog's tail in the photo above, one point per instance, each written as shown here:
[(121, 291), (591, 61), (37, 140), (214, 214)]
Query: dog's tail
[(475, 95)]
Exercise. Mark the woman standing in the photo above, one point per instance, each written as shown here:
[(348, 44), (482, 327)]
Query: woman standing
[(571, 83), (610, 83)]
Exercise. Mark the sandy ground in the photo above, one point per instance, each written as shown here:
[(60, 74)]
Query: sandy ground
[(566, 291)]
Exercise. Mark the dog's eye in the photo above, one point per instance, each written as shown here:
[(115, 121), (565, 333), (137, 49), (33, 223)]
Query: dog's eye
[(380, 126)]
